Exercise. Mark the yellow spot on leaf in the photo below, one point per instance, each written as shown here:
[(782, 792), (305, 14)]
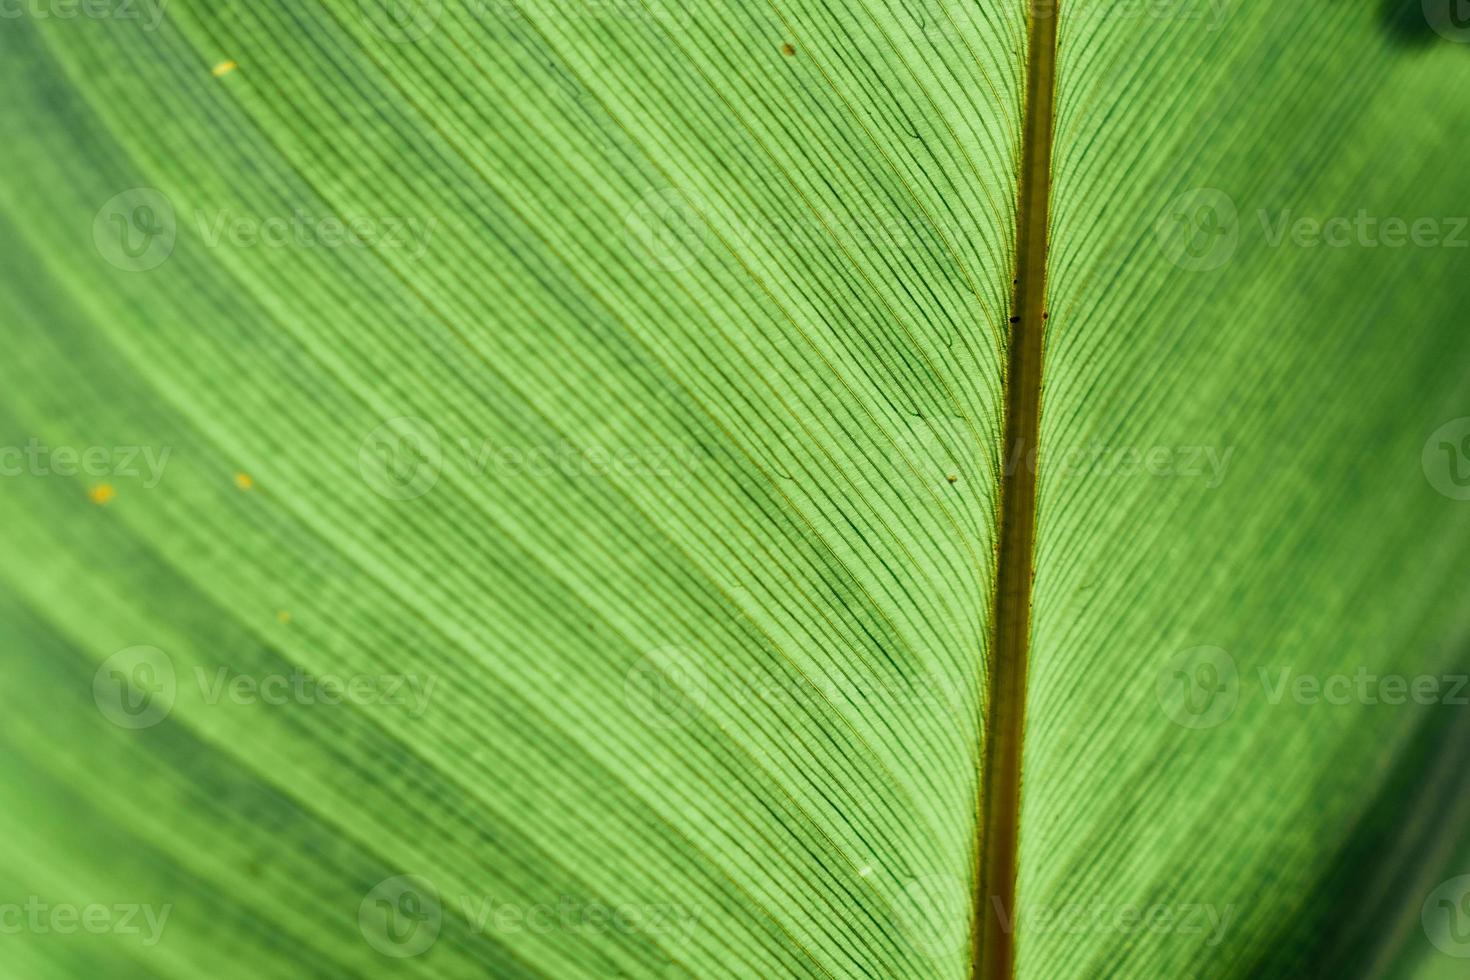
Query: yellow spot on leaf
[(224, 68), (243, 481), (283, 615), (101, 493), (789, 50), (952, 478)]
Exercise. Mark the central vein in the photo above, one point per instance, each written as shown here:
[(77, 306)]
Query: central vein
[(1000, 803)]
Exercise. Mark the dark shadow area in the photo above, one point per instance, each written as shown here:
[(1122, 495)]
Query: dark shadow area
[(1408, 21)]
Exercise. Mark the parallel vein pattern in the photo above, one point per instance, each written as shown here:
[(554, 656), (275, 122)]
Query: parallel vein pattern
[(647, 418)]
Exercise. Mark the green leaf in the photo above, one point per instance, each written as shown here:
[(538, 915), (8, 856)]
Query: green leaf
[(520, 489)]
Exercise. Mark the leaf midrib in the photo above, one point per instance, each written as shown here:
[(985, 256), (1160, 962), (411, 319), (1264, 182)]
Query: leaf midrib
[(993, 952)]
